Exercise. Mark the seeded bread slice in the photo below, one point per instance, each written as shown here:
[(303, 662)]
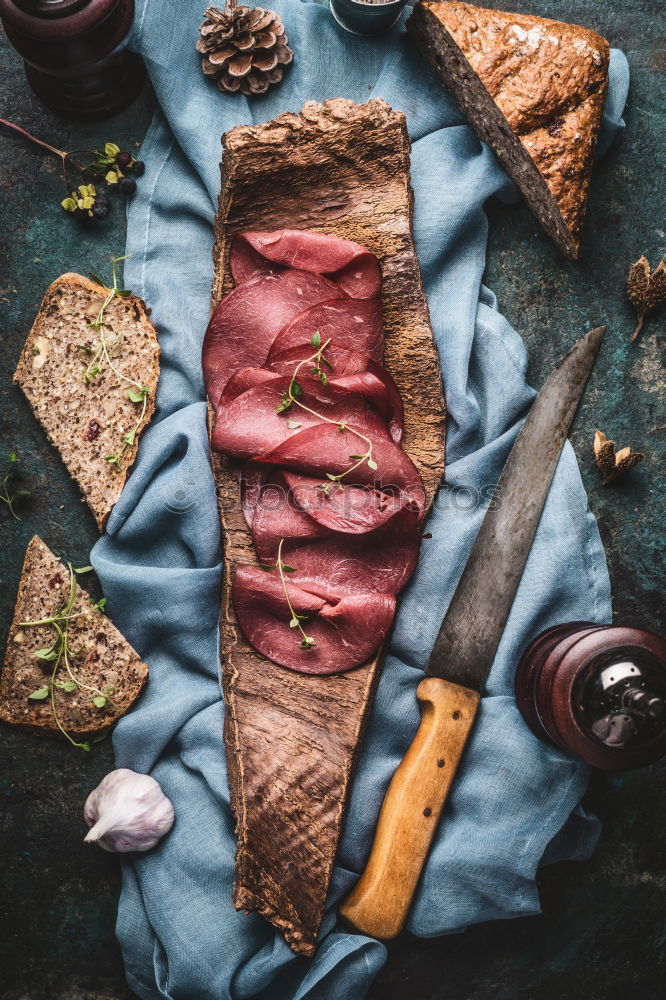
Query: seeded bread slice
[(101, 658), (534, 90), (87, 421)]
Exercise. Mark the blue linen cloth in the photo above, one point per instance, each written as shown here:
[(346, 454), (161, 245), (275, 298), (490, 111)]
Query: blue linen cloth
[(516, 800)]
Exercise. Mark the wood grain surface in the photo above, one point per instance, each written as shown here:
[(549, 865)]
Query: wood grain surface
[(379, 903), (342, 169)]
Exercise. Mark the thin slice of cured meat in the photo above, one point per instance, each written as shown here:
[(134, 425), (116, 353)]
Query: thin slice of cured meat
[(248, 319), (346, 632), (242, 380), (380, 562), (349, 370), (326, 450), (356, 325), (340, 507), (353, 267), (251, 422), (341, 360), (379, 389), (276, 516), (252, 478)]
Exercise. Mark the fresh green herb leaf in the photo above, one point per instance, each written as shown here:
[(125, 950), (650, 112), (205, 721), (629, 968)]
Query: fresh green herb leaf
[(96, 278), (372, 464), (334, 479), (293, 424), (296, 388), (45, 654), (288, 569), (111, 149), (136, 396), (83, 569), (101, 605), (99, 701), (316, 339), (68, 686), (40, 694), (129, 437), (267, 566), (308, 642)]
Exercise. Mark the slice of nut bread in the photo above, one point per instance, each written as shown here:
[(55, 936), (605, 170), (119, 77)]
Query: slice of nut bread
[(103, 664), (534, 90), (79, 395)]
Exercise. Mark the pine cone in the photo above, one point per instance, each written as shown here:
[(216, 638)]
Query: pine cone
[(245, 48)]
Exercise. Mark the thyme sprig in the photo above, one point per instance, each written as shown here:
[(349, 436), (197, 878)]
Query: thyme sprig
[(8, 494), (307, 642), (101, 357), (295, 389), (60, 652)]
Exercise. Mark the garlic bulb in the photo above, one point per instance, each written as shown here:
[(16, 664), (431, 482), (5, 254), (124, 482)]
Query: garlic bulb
[(127, 812)]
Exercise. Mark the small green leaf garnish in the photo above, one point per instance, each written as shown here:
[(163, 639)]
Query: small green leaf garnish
[(316, 339), (293, 424), (99, 701), (45, 654), (138, 396), (39, 695), (83, 569)]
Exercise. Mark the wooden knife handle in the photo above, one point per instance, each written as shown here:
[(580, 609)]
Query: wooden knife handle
[(379, 903)]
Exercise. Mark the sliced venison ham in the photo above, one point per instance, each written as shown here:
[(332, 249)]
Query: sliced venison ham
[(251, 422), (248, 319), (341, 524), (351, 510), (354, 268), (380, 562), (324, 449), (350, 323), (345, 631)]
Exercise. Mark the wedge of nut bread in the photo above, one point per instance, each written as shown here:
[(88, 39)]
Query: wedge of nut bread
[(103, 665), (534, 90), (82, 391)]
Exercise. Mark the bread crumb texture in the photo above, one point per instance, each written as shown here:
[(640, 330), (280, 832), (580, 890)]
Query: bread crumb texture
[(103, 657), (87, 422)]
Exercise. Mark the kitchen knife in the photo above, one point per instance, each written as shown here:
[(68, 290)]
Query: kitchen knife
[(464, 652)]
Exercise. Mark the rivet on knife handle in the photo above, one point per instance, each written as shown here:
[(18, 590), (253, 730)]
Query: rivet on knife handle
[(379, 903)]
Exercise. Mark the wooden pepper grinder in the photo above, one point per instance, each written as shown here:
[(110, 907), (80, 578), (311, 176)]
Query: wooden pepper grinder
[(75, 53), (598, 691)]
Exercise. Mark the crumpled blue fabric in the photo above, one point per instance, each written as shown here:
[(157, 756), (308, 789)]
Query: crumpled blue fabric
[(516, 799)]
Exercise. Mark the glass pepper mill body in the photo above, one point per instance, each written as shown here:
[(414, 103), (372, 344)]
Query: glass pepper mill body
[(75, 53), (597, 691)]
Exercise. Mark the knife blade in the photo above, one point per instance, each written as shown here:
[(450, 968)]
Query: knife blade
[(464, 651)]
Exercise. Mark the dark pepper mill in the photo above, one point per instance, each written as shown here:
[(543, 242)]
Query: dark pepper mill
[(598, 691), (75, 53)]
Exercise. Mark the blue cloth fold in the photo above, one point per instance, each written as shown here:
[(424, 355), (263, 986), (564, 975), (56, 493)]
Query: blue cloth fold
[(515, 797)]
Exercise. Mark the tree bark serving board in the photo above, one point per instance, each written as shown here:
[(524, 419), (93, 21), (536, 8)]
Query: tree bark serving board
[(291, 739)]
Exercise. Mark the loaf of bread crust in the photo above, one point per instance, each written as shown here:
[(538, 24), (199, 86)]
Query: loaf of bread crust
[(534, 90), (100, 657), (87, 420)]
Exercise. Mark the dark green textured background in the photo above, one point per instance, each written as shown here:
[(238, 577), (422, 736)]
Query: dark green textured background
[(601, 933)]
